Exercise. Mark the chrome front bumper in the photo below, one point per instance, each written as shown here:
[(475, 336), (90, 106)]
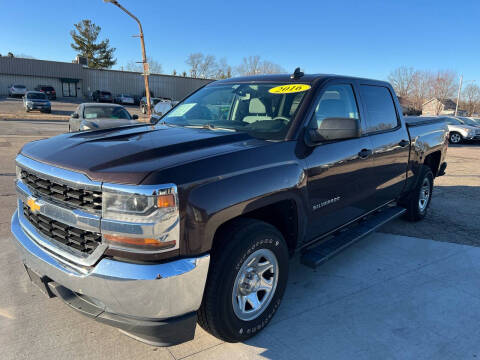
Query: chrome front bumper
[(157, 291)]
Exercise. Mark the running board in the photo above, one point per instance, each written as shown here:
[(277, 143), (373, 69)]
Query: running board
[(324, 251)]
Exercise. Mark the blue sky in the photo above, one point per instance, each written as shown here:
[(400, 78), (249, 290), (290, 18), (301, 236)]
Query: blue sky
[(355, 37)]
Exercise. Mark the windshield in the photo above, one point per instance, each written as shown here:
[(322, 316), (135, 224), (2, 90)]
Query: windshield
[(36, 96), (19, 86), (105, 112), (263, 110)]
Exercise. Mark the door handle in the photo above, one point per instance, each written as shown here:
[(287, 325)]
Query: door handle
[(364, 153), (404, 143)]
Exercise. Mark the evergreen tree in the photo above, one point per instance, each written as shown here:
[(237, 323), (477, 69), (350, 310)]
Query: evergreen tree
[(99, 54)]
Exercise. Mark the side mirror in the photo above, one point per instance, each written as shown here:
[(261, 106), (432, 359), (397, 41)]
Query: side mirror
[(135, 117), (74, 116), (333, 129)]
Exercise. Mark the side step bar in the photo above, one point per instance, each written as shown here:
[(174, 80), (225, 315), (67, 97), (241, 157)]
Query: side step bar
[(324, 251)]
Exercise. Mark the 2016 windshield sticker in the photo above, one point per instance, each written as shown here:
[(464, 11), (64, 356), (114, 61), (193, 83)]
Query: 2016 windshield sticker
[(290, 88)]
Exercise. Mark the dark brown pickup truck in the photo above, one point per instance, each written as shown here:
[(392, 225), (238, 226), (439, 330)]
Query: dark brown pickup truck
[(151, 228)]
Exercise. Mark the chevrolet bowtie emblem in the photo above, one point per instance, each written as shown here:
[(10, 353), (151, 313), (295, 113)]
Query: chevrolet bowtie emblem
[(34, 207)]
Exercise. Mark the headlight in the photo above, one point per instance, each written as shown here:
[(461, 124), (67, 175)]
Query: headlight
[(18, 172), (29, 102), (140, 219)]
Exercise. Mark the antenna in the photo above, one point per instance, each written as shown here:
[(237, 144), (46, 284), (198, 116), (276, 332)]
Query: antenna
[(297, 74)]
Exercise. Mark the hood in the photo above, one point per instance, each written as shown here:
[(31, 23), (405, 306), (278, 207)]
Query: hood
[(127, 155)]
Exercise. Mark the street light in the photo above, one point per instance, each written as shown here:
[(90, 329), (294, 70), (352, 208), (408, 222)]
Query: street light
[(144, 55)]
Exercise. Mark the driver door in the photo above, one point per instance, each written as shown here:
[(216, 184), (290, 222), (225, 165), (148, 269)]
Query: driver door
[(340, 172)]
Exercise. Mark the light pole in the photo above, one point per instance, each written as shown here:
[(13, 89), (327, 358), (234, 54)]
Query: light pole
[(458, 95), (144, 54)]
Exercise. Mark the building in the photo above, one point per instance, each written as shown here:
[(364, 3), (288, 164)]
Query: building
[(75, 80), (434, 107)]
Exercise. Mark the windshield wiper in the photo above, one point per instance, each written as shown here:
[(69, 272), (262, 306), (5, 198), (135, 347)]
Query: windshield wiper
[(210, 127)]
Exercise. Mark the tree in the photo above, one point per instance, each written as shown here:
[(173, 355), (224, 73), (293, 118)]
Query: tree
[(443, 86), (420, 89), (99, 54), (471, 98), (224, 71), (154, 66), (253, 65), (174, 72), (402, 80), (202, 66)]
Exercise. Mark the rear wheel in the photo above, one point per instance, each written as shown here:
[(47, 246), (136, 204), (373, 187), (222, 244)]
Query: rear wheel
[(248, 276), (419, 199), (455, 138)]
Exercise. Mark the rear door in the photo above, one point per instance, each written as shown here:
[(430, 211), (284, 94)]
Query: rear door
[(340, 173), (390, 140)]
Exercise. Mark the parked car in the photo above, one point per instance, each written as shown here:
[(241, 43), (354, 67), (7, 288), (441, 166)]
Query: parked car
[(102, 96), (151, 228), (462, 129), (124, 99), (17, 90), (161, 108), (143, 103), (94, 116), (36, 100), (48, 90)]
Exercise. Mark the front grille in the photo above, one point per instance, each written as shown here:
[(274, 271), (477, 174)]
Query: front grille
[(85, 199), (80, 240)]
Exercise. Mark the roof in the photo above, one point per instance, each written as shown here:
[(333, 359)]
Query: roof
[(448, 103), (101, 104), (34, 92), (286, 78)]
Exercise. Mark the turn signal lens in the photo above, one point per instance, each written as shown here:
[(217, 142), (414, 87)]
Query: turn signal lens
[(138, 242), (164, 201)]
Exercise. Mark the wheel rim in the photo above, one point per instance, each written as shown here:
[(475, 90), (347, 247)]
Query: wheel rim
[(255, 284), (424, 195), (455, 138)]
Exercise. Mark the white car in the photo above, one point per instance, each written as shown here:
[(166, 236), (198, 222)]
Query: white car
[(17, 90), (124, 99)]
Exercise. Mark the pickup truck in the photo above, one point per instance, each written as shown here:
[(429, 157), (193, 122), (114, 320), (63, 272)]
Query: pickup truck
[(153, 228)]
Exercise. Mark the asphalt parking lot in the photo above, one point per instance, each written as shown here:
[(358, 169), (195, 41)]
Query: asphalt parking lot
[(408, 291)]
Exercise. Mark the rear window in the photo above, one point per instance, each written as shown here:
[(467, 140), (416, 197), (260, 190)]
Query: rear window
[(381, 114), (105, 112), (47, 88), (105, 93), (19, 86)]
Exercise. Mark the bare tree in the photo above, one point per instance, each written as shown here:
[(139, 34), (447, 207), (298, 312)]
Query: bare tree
[(201, 66), (402, 80), (443, 86), (471, 98), (420, 89), (253, 65), (154, 66), (224, 71)]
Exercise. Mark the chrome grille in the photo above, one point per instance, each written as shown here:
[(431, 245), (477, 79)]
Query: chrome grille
[(84, 199), (78, 239)]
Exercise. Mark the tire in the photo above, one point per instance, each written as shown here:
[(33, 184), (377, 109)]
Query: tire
[(455, 138), (418, 201), (229, 279)]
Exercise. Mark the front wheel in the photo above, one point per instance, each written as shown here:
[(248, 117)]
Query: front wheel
[(248, 276), (455, 138), (419, 199)]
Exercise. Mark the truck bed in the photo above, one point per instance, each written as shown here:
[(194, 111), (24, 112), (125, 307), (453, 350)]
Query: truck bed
[(412, 121)]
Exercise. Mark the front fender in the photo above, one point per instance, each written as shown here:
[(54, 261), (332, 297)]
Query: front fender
[(212, 204)]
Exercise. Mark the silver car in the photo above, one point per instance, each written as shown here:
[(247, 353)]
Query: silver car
[(124, 99), (462, 129), (36, 100), (17, 90), (95, 116)]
